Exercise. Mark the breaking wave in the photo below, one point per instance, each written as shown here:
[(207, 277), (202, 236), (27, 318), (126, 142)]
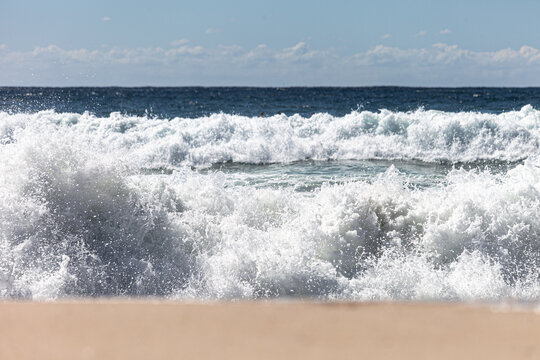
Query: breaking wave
[(429, 136), (79, 218)]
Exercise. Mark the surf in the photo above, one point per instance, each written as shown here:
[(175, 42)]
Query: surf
[(80, 218), (423, 135)]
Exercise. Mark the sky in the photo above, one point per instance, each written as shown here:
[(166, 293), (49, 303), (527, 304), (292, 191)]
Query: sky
[(269, 43)]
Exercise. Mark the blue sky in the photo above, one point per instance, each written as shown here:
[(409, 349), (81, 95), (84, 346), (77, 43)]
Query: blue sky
[(270, 43)]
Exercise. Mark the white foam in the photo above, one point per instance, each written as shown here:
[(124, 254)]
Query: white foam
[(422, 135), (77, 218)]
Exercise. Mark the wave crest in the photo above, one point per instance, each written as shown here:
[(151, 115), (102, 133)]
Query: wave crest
[(425, 135)]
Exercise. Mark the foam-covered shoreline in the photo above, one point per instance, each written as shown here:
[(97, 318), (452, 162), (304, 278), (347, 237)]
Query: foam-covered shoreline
[(265, 330)]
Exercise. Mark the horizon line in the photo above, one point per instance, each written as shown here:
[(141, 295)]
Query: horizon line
[(274, 86)]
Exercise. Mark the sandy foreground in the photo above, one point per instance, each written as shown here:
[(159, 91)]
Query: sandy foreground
[(265, 330)]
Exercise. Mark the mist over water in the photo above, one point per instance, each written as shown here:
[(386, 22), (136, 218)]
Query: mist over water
[(365, 205)]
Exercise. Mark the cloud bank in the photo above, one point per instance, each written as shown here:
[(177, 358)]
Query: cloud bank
[(182, 64)]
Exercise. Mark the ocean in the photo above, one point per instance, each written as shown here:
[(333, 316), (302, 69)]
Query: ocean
[(362, 194)]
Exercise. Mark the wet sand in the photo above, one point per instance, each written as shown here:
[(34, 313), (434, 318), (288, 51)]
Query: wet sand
[(265, 330)]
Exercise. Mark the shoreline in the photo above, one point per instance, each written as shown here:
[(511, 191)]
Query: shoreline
[(156, 329)]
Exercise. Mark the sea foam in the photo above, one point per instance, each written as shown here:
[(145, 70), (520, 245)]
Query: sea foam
[(78, 217), (425, 135)]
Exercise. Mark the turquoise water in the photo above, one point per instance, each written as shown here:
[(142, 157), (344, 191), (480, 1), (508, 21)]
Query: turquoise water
[(306, 176)]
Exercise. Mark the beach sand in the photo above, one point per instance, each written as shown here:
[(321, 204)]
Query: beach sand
[(111, 329)]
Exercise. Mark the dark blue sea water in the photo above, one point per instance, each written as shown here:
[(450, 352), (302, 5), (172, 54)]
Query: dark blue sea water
[(199, 101), (379, 193)]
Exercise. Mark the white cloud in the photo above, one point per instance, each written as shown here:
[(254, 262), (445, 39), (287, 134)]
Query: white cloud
[(293, 51), (3, 46), (445, 32), (210, 31), (106, 18), (420, 33), (179, 42), (260, 53), (181, 64), (441, 54), (386, 36), (230, 50), (184, 51)]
